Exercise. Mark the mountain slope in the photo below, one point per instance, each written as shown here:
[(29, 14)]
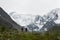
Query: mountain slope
[(6, 20), (48, 26), (55, 28)]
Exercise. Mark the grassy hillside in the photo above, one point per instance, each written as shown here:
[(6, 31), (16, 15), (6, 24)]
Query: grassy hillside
[(29, 36), (12, 34)]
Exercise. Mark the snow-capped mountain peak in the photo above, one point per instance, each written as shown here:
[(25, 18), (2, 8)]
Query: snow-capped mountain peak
[(36, 21)]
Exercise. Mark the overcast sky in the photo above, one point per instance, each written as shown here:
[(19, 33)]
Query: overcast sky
[(34, 7)]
